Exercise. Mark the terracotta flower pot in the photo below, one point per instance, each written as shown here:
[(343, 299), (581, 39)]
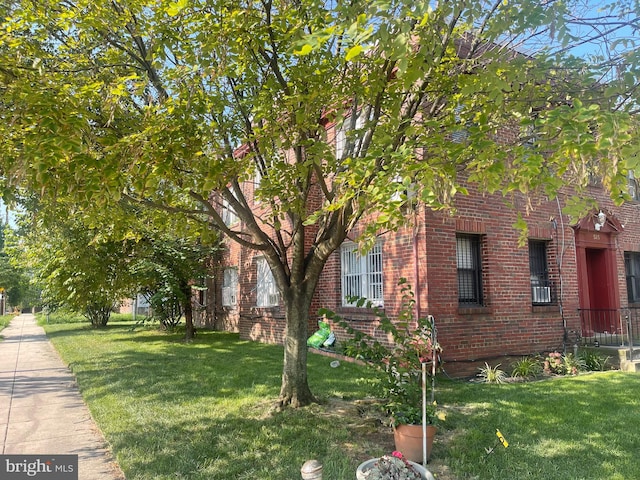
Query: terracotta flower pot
[(408, 440)]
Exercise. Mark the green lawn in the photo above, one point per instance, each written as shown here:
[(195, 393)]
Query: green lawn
[(202, 411), (578, 427), (5, 320)]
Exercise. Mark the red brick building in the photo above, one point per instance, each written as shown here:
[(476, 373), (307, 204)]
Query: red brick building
[(491, 295)]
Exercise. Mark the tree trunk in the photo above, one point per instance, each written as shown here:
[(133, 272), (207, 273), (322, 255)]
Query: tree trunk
[(188, 315), (98, 315), (295, 389)]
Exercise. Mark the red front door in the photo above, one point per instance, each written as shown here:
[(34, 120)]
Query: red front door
[(604, 313), (598, 274)]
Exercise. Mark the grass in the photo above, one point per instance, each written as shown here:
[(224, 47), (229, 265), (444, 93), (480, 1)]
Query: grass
[(202, 411), (5, 320), (567, 427)]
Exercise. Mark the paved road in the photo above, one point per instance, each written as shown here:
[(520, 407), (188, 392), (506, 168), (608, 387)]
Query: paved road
[(41, 409)]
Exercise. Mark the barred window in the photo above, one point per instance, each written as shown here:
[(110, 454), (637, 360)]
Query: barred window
[(461, 134), (539, 271), (229, 287), (632, 272), (267, 292), (469, 270), (361, 275)]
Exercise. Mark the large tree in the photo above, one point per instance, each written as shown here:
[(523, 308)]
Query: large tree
[(168, 269), (165, 102)]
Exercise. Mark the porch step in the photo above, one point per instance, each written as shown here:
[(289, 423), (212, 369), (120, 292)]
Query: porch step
[(628, 364), (624, 355)]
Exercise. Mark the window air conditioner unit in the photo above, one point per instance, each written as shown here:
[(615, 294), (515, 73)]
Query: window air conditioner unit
[(228, 297), (541, 294), (273, 299)]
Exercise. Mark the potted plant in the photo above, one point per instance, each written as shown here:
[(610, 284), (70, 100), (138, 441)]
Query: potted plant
[(406, 365), (407, 369), (408, 429), (394, 466)]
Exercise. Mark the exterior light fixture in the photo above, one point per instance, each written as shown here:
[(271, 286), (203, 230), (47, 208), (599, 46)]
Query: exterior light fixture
[(602, 218)]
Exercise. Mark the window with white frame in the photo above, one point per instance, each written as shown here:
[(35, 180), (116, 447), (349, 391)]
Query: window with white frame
[(266, 290), (342, 134), (257, 180), (201, 291), (230, 287), (229, 216), (361, 275), (461, 134), (405, 192), (634, 186)]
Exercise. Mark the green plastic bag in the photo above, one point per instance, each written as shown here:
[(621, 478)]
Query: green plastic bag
[(318, 338)]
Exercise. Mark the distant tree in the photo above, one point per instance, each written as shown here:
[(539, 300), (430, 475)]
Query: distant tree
[(77, 267), (151, 100), (168, 269), (13, 279)]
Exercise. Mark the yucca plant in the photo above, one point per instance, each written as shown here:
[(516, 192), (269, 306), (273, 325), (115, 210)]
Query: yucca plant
[(526, 367), (594, 361), (489, 374)]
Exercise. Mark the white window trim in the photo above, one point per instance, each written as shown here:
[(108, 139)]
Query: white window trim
[(266, 289), (229, 216), (633, 186), (361, 275), (257, 181), (407, 194), (230, 287), (341, 133)]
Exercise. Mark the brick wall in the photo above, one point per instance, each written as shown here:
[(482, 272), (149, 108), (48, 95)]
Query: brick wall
[(506, 325)]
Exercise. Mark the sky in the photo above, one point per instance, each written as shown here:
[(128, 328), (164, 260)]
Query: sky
[(6, 213)]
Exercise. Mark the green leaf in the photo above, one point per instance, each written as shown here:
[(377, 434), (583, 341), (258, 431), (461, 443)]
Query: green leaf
[(353, 52), (305, 50), (175, 8)]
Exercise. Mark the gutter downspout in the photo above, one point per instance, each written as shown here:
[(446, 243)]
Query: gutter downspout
[(416, 274)]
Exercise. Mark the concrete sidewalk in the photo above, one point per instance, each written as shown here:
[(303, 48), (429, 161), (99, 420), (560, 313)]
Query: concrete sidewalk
[(41, 410)]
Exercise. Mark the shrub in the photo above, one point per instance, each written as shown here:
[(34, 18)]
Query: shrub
[(572, 364), (553, 364), (400, 363), (558, 364)]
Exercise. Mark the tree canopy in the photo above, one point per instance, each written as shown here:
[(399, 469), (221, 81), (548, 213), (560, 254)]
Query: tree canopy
[(76, 267), (14, 280), (330, 110)]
